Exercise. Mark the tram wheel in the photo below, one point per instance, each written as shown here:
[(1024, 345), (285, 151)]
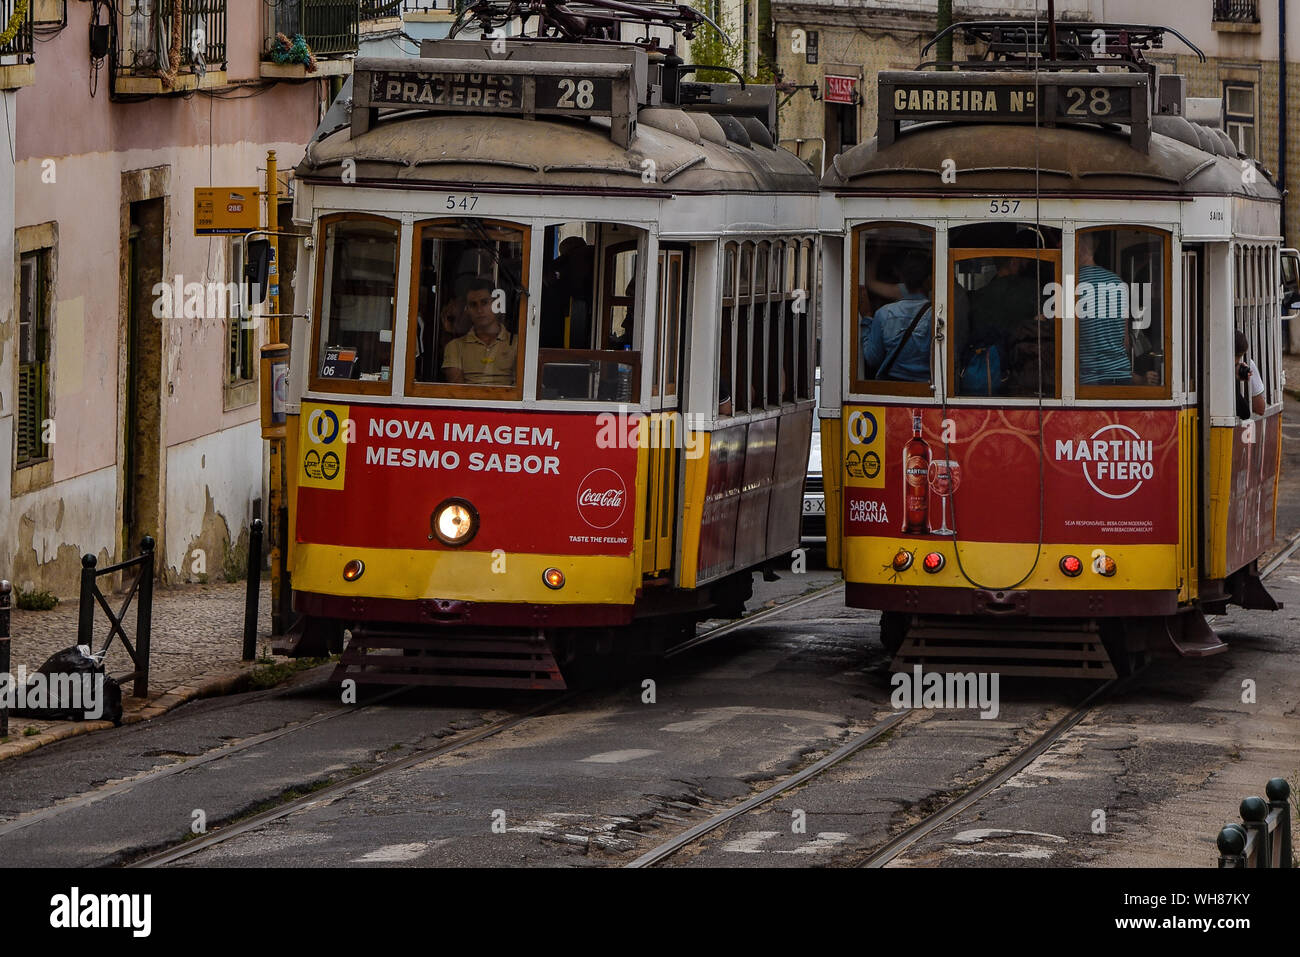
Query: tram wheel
[(893, 630)]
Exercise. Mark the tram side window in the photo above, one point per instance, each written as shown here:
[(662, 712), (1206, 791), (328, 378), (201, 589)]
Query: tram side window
[(471, 278), (357, 295), (1120, 307), (588, 343), (1256, 304), (893, 300)]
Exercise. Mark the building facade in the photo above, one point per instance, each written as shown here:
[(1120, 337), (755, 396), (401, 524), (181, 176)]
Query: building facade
[(129, 385)]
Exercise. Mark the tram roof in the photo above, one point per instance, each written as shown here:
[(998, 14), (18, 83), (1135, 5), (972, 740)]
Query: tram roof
[(456, 116), (467, 150), (1073, 161)]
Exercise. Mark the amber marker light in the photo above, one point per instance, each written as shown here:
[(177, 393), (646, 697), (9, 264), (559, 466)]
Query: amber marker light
[(933, 562), (1105, 566), (455, 522), (1071, 566), (353, 570), (902, 560), (553, 577)]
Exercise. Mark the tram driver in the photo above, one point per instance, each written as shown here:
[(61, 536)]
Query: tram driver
[(486, 354), (907, 361)]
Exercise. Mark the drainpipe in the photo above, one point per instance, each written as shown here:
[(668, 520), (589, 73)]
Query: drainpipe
[(1282, 111)]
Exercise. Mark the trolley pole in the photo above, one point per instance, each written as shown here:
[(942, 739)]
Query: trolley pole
[(275, 351)]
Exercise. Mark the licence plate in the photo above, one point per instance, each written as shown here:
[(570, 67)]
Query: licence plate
[(814, 506)]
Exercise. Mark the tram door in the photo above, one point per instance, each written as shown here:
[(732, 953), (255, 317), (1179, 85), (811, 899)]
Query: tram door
[(1195, 423), (664, 422)]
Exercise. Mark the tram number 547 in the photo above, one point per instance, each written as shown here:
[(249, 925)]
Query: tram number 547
[(462, 202), (1004, 205)]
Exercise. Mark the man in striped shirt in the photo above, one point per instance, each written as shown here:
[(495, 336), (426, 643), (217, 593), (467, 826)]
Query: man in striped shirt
[(1103, 332)]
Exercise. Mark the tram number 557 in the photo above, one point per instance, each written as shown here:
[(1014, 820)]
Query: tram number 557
[(1004, 205)]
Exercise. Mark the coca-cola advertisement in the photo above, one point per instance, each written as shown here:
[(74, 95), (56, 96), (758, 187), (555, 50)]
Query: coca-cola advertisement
[(372, 476)]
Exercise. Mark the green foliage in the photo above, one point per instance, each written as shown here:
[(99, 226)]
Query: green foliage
[(31, 732), (235, 566), (34, 600)]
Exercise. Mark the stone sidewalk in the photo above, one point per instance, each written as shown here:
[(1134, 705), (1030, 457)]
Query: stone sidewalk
[(197, 640)]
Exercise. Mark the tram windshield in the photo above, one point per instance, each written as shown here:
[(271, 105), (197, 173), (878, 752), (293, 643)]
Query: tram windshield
[(471, 282), (588, 336), (356, 300), (1120, 307)]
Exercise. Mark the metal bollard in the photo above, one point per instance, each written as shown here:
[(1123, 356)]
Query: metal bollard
[(6, 591), (86, 608), (253, 593), (144, 619), (1279, 799)]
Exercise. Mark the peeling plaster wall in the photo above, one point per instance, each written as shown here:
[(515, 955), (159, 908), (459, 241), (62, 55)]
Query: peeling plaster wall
[(51, 528), (212, 483)]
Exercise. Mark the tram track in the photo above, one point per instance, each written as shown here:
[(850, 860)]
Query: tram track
[(344, 787)]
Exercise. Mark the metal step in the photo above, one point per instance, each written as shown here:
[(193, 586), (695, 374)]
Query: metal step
[(376, 656), (1037, 649)]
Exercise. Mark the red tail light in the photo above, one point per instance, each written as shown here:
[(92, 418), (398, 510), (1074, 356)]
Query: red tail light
[(1071, 566), (933, 562)]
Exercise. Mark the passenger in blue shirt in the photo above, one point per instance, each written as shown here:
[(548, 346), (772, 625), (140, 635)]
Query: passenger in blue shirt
[(890, 322)]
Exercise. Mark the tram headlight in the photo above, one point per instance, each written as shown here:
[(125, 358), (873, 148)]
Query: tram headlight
[(933, 562), (455, 522), (353, 570), (902, 560), (1071, 566), (554, 578)]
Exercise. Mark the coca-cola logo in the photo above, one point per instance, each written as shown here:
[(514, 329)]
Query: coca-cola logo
[(601, 498)]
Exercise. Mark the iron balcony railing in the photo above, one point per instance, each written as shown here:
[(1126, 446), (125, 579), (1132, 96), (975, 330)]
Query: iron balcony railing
[(146, 35), (328, 26), (22, 40), (1236, 11), (381, 9)]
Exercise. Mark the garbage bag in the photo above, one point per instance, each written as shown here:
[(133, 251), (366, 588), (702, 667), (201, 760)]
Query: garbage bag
[(72, 686)]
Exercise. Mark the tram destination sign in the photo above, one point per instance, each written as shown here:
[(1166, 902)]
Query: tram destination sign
[(524, 87), (491, 92), (1050, 99)]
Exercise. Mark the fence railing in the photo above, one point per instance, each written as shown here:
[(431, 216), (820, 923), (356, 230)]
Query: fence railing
[(142, 585), (1236, 11), (22, 40), (381, 9), (328, 26), (145, 34), (1263, 838), (6, 595)]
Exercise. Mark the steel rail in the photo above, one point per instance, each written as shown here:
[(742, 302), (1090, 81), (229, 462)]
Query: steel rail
[(667, 849), (341, 788)]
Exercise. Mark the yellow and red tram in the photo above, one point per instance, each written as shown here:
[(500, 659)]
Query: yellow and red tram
[(1036, 455), (555, 392)]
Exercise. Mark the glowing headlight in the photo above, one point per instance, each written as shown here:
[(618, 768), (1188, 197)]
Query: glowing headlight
[(455, 521), (353, 569)]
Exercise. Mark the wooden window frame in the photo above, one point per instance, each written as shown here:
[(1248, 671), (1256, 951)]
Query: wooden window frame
[(457, 390), (42, 319), (316, 383), (853, 353), (1164, 391), (950, 349)]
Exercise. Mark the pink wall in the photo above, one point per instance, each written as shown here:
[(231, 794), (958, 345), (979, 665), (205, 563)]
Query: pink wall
[(93, 141)]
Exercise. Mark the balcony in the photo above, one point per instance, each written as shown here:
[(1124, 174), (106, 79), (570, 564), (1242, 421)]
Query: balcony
[(1235, 16), (381, 9), (329, 28), (16, 66), (151, 34)]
